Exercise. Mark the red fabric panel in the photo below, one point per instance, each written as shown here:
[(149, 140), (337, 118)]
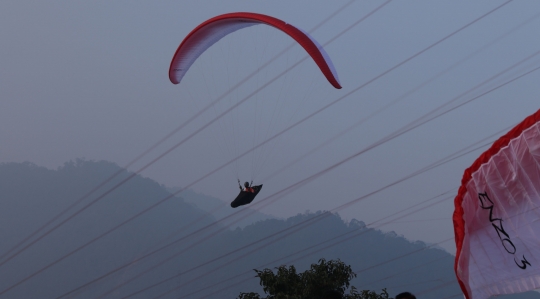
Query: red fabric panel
[(300, 37)]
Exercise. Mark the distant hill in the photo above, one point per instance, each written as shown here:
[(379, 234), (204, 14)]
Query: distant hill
[(218, 208), (215, 262)]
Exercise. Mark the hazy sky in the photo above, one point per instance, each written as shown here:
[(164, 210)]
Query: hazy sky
[(90, 79)]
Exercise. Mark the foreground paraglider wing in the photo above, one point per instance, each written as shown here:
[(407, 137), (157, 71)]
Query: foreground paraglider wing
[(497, 216), (211, 31), (245, 198)]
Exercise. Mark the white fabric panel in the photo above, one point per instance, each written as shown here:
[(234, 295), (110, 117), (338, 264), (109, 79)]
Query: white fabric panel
[(203, 39), (491, 258), (324, 54)]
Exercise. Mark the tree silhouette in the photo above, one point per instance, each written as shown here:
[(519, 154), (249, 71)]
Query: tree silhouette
[(324, 280)]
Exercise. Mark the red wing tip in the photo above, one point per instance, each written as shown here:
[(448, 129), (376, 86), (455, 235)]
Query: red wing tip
[(173, 80)]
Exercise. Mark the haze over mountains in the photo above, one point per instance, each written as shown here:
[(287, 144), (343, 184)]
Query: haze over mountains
[(215, 262)]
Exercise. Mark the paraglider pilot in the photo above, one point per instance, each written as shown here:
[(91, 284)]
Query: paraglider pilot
[(247, 187), (247, 194)]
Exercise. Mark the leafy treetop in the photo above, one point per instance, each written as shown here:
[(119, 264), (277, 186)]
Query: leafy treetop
[(324, 280)]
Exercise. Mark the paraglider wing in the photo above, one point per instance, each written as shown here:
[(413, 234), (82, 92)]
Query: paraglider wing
[(245, 197), (497, 216), (214, 29)]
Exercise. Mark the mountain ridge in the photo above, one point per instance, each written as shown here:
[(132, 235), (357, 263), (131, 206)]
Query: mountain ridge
[(203, 255)]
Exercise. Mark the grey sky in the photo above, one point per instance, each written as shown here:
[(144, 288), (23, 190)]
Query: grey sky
[(89, 79)]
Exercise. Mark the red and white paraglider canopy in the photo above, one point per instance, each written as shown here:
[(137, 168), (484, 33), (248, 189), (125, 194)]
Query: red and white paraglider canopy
[(497, 216), (214, 29)]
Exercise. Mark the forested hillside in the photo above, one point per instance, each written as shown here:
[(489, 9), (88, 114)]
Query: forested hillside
[(182, 250)]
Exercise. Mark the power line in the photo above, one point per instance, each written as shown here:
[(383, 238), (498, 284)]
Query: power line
[(288, 188), (357, 234), (404, 271), (440, 162), (343, 206), (428, 120), (178, 144), (161, 141), (447, 159)]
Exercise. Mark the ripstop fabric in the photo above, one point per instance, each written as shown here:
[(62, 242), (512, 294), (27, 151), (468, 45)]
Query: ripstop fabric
[(497, 216), (211, 31)]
